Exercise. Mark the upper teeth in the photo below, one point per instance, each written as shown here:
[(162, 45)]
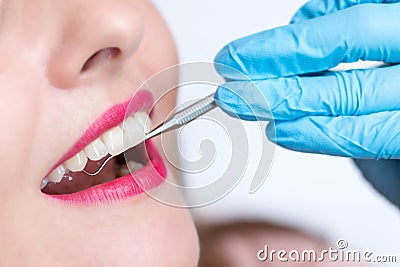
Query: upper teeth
[(114, 141)]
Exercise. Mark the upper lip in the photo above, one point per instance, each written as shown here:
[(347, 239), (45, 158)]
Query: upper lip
[(142, 100)]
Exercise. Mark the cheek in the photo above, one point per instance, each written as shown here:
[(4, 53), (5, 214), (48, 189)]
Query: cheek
[(157, 50), (19, 109)]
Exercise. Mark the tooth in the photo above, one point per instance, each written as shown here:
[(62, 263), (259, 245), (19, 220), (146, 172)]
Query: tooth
[(114, 140), (57, 175), (77, 163), (144, 120), (133, 132), (96, 150), (134, 166), (45, 181)]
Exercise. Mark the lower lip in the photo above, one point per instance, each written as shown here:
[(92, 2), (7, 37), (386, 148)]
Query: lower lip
[(136, 183)]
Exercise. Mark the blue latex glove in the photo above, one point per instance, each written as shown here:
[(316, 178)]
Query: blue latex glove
[(354, 113)]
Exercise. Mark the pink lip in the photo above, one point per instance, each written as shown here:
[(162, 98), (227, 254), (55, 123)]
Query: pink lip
[(130, 185), (149, 177), (143, 100)]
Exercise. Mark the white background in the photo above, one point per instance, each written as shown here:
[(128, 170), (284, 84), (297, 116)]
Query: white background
[(323, 195)]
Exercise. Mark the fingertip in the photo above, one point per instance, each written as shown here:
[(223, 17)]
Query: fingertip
[(246, 99), (229, 99), (220, 57), (226, 65), (224, 94)]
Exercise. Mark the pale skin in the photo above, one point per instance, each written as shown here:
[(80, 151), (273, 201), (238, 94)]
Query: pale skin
[(50, 94)]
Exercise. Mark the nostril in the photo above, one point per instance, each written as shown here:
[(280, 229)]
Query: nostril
[(101, 57)]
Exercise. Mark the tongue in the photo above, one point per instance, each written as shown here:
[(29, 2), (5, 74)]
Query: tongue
[(79, 180)]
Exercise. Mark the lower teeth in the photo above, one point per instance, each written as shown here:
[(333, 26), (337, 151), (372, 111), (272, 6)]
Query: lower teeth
[(123, 170), (122, 165)]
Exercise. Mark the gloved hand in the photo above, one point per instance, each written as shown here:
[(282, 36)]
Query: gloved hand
[(353, 113)]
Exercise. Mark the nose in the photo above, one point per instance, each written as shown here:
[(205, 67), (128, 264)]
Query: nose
[(93, 43)]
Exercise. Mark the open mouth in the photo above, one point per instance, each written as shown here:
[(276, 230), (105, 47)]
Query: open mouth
[(135, 165), (123, 142)]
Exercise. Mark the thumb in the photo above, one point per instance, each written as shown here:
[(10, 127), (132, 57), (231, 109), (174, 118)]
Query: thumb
[(374, 136)]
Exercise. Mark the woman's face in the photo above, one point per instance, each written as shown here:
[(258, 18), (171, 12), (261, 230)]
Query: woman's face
[(65, 66)]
